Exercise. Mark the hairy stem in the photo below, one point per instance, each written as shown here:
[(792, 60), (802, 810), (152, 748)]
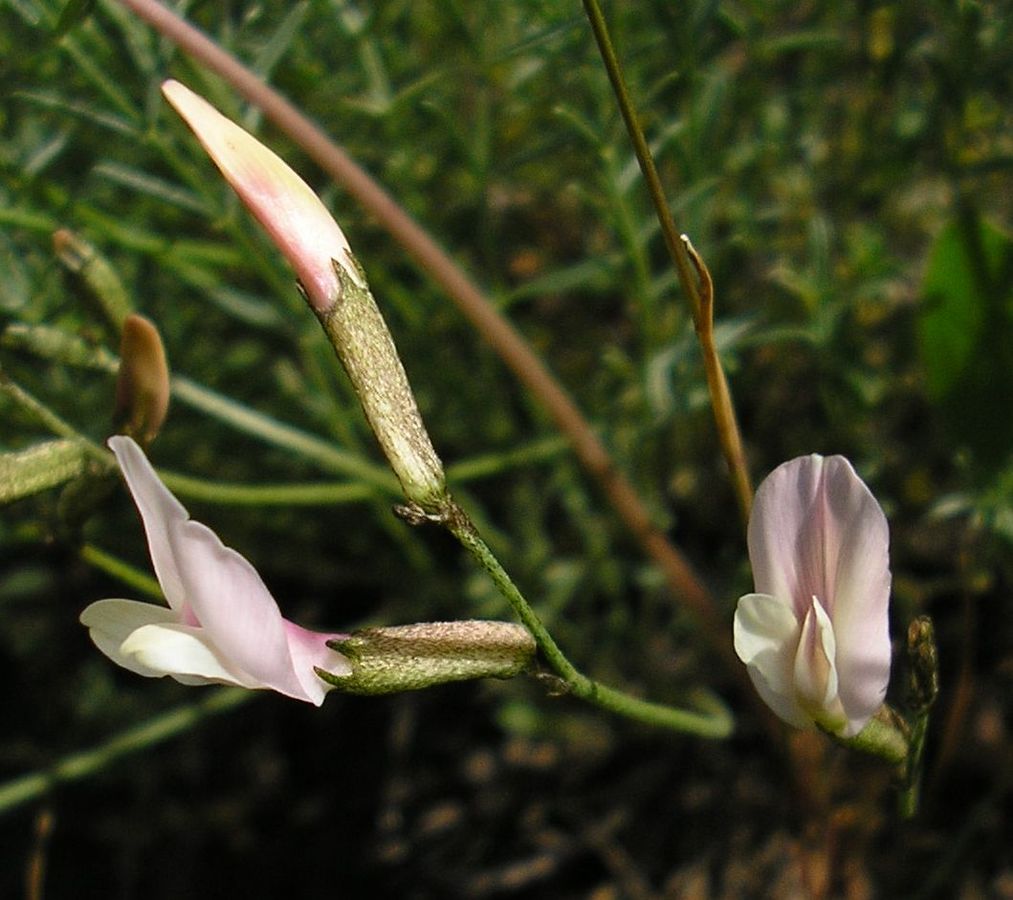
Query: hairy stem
[(714, 722)]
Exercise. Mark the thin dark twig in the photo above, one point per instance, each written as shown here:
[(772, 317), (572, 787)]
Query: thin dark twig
[(700, 297)]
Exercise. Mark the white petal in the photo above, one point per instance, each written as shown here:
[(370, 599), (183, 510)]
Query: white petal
[(184, 652), (159, 509), (766, 640), (814, 671), (111, 622), (816, 530)]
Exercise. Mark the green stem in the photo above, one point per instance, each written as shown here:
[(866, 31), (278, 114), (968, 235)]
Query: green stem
[(671, 234), (923, 689), (910, 793), (123, 571), (489, 464), (279, 434), (231, 494), (80, 765), (715, 722), (50, 420)]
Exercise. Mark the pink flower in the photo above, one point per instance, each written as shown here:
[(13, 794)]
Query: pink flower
[(815, 635), (222, 625), (297, 222)]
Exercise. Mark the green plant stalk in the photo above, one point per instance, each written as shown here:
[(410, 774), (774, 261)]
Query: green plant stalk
[(491, 464), (702, 309), (40, 467), (910, 793), (279, 434), (922, 692), (325, 493), (54, 344), (81, 765), (714, 723), (232, 494), (122, 571)]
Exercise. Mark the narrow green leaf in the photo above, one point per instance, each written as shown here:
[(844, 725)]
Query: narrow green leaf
[(73, 13)]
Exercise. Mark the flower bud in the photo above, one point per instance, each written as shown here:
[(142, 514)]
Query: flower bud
[(411, 657), (334, 285), (142, 387)]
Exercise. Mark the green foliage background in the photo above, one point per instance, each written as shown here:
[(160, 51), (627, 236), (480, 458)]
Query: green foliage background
[(826, 158)]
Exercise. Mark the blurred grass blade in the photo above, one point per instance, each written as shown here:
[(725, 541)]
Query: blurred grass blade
[(309, 446), (41, 467), (57, 345), (73, 13), (80, 111), (280, 41), (149, 185), (98, 276), (154, 731)]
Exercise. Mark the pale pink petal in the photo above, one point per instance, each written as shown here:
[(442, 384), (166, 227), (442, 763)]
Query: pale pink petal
[(766, 637), (159, 510), (111, 622), (860, 611), (226, 627), (309, 651), (782, 529), (235, 608), (185, 653), (298, 223)]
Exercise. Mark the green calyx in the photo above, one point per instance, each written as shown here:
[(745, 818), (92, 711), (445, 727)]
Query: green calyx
[(412, 657)]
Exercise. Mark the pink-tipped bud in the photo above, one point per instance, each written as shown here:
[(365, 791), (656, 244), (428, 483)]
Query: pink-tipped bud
[(335, 286), (298, 223)]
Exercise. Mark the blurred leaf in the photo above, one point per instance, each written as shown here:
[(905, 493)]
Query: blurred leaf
[(963, 335), (953, 312)]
